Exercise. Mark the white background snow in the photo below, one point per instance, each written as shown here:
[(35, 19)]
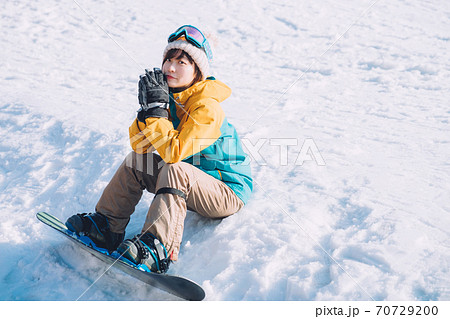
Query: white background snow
[(368, 82)]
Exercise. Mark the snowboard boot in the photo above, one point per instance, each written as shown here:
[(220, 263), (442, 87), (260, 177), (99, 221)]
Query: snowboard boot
[(146, 250), (96, 227)]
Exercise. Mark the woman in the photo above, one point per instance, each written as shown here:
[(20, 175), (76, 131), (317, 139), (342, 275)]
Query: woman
[(201, 165)]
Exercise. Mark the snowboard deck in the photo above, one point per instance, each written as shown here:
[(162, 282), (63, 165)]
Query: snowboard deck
[(178, 286)]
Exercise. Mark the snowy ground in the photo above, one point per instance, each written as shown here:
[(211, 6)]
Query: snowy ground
[(362, 85)]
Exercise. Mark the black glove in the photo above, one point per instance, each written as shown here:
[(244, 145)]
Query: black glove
[(153, 95)]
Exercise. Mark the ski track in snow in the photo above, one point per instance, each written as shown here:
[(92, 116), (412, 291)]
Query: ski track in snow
[(370, 90)]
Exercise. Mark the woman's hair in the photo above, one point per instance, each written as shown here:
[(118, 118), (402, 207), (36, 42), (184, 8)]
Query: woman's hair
[(178, 54)]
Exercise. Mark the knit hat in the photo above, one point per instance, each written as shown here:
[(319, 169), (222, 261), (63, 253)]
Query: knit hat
[(197, 54)]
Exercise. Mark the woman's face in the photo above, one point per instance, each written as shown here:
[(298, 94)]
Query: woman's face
[(179, 72)]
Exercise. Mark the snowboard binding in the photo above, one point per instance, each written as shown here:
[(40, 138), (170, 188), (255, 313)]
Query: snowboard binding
[(146, 252), (95, 226)]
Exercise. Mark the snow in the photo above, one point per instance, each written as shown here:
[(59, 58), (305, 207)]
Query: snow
[(343, 107)]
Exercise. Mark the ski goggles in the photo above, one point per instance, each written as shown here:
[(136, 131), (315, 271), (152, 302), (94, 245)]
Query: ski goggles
[(194, 36)]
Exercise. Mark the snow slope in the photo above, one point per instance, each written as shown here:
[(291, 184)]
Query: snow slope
[(362, 85)]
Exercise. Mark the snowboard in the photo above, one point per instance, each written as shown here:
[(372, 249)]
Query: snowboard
[(178, 286)]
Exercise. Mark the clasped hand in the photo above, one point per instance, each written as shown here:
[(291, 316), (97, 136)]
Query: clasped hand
[(153, 95)]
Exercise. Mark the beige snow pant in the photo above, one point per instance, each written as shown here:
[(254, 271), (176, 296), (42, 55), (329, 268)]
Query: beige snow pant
[(165, 218)]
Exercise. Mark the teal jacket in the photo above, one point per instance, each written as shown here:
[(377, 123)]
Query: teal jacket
[(225, 160)]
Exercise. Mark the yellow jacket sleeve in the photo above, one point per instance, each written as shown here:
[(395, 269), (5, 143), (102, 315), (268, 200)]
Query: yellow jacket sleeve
[(198, 129)]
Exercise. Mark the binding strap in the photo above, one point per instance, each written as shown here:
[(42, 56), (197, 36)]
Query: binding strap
[(170, 190), (142, 252)]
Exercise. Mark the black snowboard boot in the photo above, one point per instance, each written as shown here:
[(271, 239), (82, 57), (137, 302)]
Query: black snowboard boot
[(146, 250), (96, 227)]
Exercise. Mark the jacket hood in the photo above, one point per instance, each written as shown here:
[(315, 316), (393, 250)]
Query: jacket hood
[(209, 88)]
